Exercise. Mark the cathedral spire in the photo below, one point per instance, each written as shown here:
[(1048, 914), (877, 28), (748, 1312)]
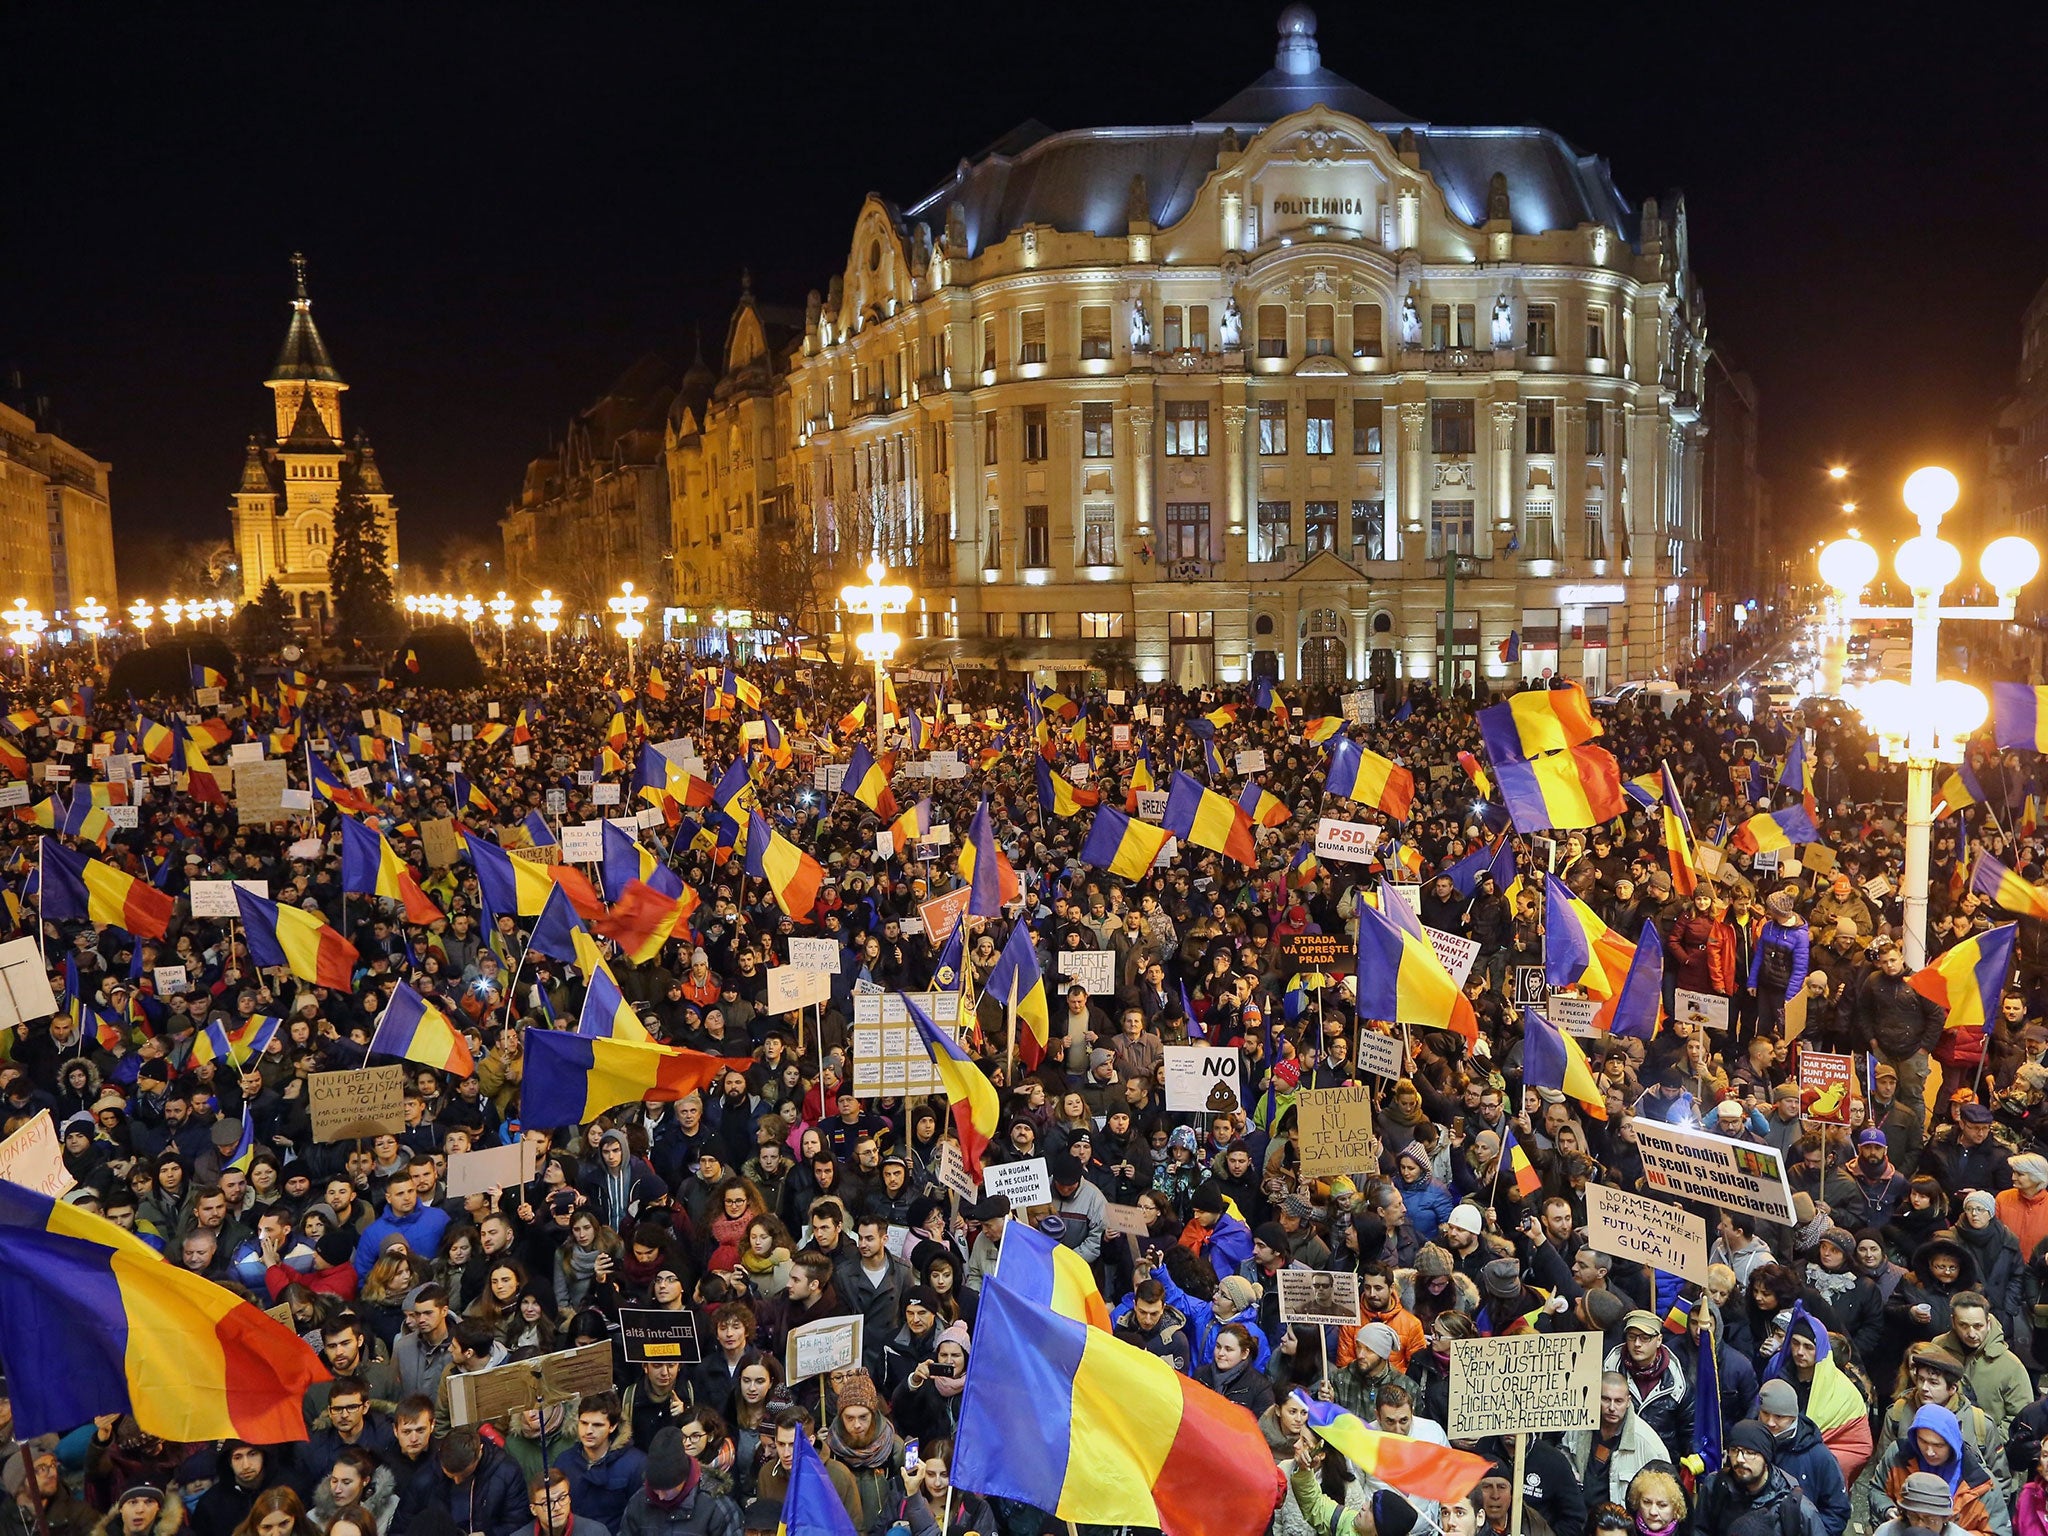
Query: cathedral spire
[(304, 354)]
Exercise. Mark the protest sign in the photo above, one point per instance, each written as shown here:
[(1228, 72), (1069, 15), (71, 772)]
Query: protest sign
[(171, 980), (1456, 954), (296, 800), (437, 837), (259, 792), (1095, 969), (951, 1172), (1120, 737), (1358, 707), (583, 842), (1253, 760), (819, 1348), (791, 988), (1152, 805), (1026, 1183), (1318, 951), (941, 913), (815, 954), (1318, 1296), (888, 1055), (1573, 1015), (656, 1336), (1378, 1054), (1826, 1084), (478, 1173), (1202, 1079), (1646, 1231), (346, 1106), (1702, 1010), (214, 898), (14, 794), (1336, 1130), (1126, 1220), (1524, 1384), (1348, 842), (1697, 1165), (124, 818), (245, 752), (33, 1157)]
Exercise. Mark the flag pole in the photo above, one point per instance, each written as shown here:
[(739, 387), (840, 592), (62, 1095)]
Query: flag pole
[(1010, 1050)]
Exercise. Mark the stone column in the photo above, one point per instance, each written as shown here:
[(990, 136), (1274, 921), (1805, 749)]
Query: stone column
[(1234, 469), (1505, 415), (1414, 418), (1571, 481), (1140, 438)]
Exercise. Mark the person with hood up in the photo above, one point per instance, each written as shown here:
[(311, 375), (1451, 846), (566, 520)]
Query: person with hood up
[(621, 1186), (1934, 1378), (1657, 1384), (241, 1472), (1750, 1486), (673, 1501), (1934, 1444), (357, 1487), (1797, 1448), (1212, 1231), (1998, 1383), (1428, 1201), (1777, 968)]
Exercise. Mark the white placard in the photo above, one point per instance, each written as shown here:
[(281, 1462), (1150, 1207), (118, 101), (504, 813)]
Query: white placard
[(604, 794), (1377, 1053), (885, 844), (1027, 1183), (1646, 1231), (1152, 805), (648, 816), (522, 756), (819, 1348), (245, 752), (1095, 969), (13, 794), (1348, 842), (171, 980), (1526, 1383), (1318, 1296), (206, 698), (480, 1172), (124, 818), (950, 1171), (828, 777), (943, 764), (1702, 1010), (490, 711), (33, 1157), (790, 988), (1252, 760), (295, 800), (1572, 1015), (1698, 1165), (815, 955), (214, 898), (1202, 1079), (583, 842), (26, 992), (358, 778), (1116, 695), (1455, 953)]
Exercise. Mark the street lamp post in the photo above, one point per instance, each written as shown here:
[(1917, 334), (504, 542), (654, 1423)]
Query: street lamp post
[(547, 618), (92, 618), (140, 614), (25, 626), (628, 606), (472, 610), (1926, 720), (876, 644), (502, 608)]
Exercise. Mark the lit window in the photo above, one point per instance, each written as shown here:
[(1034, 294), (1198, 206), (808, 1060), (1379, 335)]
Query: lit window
[(1187, 428), (1319, 431), (1098, 430), (1272, 426), (1542, 333), (1275, 527), (1102, 626)]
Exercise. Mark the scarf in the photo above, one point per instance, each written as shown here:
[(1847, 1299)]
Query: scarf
[(874, 1454), (948, 1386), (675, 1498), (759, 1264)]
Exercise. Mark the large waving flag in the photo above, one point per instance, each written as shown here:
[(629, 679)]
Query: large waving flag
[(555, 929), (793, 876), (370, 866), (1208, 820), (1419, 1468), (971, 1098), (298, 940), (1497, 861), (1067, 1418), (416, 1030), (1535, 721), (1578, 949), (77, 886), (1775, 831), (572, 1079), (991, 881), (1368, 778), (1968, 979), (93, 1321), (626, 859), (1639, 1007), (1057, 795), (913, 826), (1579, 787), (1401, 981), (1054, 1276), (643, 919), (606, 1015), (1122, 844), (245, 1042), (1265, 808), (1552, 1059), (1678, 841), (1991, 878), (811, 1506), (1959, 789), (2019, 717), (1016, 979), (868, 782), (511, 887)]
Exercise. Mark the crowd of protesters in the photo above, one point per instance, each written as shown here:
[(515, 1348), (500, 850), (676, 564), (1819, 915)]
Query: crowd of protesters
[(778, 1197)]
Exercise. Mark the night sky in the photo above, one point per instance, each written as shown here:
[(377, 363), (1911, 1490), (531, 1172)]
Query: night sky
[(504, 206)]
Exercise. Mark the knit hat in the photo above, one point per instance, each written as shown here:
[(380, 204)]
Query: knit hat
[(1928, 1493), (924, 1296), (1431, 1262), (956, 1333), (1380, 1339), (337, 1246), (1840, 1237), (1234, 1294), (1273, 1235), (668, 1464), (1980, 1200), (1779, 905), (1466, 1218), (1749, 1435), (1502, 1278), (140, 1490), (1777, 1396), (2032, 1164), (1605, 1308), (1099, 1058), (1392, 1515), (858, 1391)]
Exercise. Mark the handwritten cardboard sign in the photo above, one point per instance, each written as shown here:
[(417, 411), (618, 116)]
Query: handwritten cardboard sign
[(1336, 1130), (345, 1106)]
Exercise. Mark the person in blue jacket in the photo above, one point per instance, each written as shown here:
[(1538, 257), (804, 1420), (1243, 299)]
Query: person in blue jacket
[(1777, 969), (1429, 1202), (1236, 1301), (420, 1225), (1229, 1244)]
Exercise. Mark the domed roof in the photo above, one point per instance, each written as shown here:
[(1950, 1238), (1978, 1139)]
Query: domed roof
[(1298, 81)]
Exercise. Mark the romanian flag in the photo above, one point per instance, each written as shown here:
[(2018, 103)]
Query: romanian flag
[(868, 782), (1552, 1059), (657, 685), (75, 886), (1678, 843), (511, 887), (93, 1321), (615, 733), (1265, 808), (643, 918), (1527, 1179), (792, 875), (1638, 1008), (973, 1102), (370, 866), (1537, 720), (1016, 981), (1968, 979), (2019, 717), (572, 1079), (811, 1505), (1122, 844), (1419, 1468), (913, 826), (298, 940), (24, 719), (1578, 949), (334, 790), (1057, 795), (626, 860), (1959, 789), (1303, 868), (1063, 1416), (1057, 1278), (1322, 729), (1993, 879), (1832, 1401), (1773, 831), (522, 729), (554, 931), (1401, 981), (1797, 774), (991, 880), (155, 741), (1205, 819), (1497, 861), (854, 718), (245, 1042), (606, 1015), (206, 677), (1477, 774), (416, 1030), (468, 797), (493, 733), (13, 760), (1365, 776), (1141, 783), (773, 745), (1580, 787)]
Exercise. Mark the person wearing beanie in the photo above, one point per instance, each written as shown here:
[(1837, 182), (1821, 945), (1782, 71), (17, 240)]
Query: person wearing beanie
[(1749, 1487), (1428, 1201), (673, 1501), (1857, 1310), (1212, 1231), (1797, 1448), (1933, 1444), (1383, 1512), (1607, 1458), (1078, 1198), (926, 1406), (865, 1442), (915, 1341), (1357, 1385), (1297, 1219)]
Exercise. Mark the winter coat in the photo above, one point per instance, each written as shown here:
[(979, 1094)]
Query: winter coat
[(702, 1513), (1895, 1018), (1720, 1502), (1855, 1306), (1793, 940), (491, 1501), (1997, 1381), (1999, 1268), (1635, 1449), (600, 1491), (1801, 1452), (1667, 1409), (1244, 1384), (1980, 1503), (380, 1502)]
